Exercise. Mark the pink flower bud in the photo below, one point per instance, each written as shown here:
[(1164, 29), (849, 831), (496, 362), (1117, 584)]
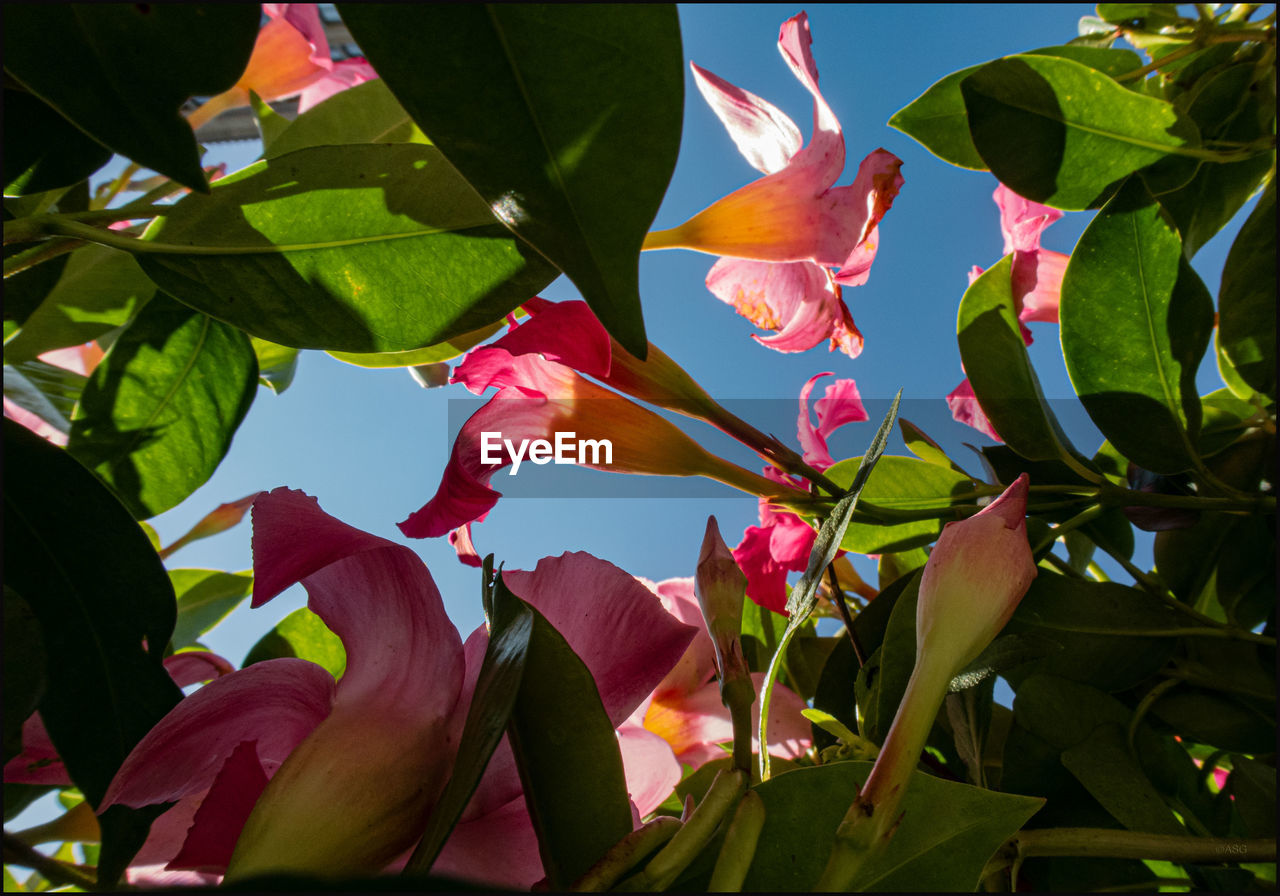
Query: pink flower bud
[(720, 586)]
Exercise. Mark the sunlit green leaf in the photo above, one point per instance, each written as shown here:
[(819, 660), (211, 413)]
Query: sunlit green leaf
[(366, 113), (301, 634), (900, 483), (205, 597)]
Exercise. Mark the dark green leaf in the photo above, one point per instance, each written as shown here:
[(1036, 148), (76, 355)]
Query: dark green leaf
[(120, 71), (937, 118), (1254, 787), (99, 290), (492, 702), (366, 113), (834, 694), (42, 150), (1140, 16), (106, 612), (24, 664), (566, 119), (302, 634), (1103, 763), (1135, 323), (1247, 300), (353, 248), (1230, 722), (205, 597), (566, 751), (995, 358), (885, 680), (948, 831), (1100, 627), (160, 410), (900, 483), (25, 290), (1061, 133)]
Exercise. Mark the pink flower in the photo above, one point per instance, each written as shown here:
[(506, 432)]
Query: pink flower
[(1036, 281), (782, 542), (782, 233), (276, 767), (685, 708), (539, 398), (290, 58)]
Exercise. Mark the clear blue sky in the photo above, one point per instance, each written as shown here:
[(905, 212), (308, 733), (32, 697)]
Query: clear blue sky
[(372, 444)]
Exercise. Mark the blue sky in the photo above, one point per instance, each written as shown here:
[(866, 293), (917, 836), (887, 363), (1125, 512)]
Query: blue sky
[(372, 444)]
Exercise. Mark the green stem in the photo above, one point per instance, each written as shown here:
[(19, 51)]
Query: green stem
[(1088, 515), (1097, 572), (739, 847), (60, 873), (118, 184), (1063, 566), (624, 854), (1221, 631), (46, 251), (1148, 701), (1112, 844)]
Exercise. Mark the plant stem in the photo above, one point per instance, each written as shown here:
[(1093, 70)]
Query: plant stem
[(739, 847), (1112, 844), (61, 873), (1085, 516), (46, 251), (624, 854)]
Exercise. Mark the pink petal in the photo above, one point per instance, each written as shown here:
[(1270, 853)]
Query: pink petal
[(615, 625), (698, 664), (343, 75), (839, 405), (403, 653), (766, 577), (473, 849), (195, 666), (155, 877), (864, 203), (823, 159), (39, 762), (698, 726), (1037, 284), (460, 538), (1021, 220), (36, 424), (650, 765), (764, 134), (221, 816), (965, 408), (81, 359), (305, 19), (856, 269), (169, 831), (276, 703)]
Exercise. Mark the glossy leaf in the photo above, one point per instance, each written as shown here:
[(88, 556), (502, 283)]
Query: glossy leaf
[(119, 71), (566, 750), (1247, 299), (24, 665), (1061, 133), (48, 392), (159, 412), (937, 118), (304, 635), (883, 681), (205, 598), (431, 354), (1142, 16), (948, 831), (1135, 323), (106, 612), (1000, 371), (566, 119), (99, 290), (492, 702), (276, 364), (900, 483), (366, 113), (1103, 763), (352, 248), (47, 151), (922, 446)]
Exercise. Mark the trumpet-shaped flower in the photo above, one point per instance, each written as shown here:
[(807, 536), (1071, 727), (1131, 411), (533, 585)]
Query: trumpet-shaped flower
[(278, 768), (1035, 279), (290, 58), (782, 233)]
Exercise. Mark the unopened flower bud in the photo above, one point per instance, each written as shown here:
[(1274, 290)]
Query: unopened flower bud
[(720, 587)]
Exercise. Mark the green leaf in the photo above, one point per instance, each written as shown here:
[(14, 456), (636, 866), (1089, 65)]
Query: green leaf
[(1247, 299), (431, 354), (1103, 763), (566, 751), (1101, 628), (205, 597), (1253, 785), (48, 392), (304, 635), (1061, 133), (947, 833), (1000, 371), (271, 124), (24, 665), (47, 151), (366, 113), (100, 594), (900, 483), (566, 119), (1135, 323), (1227, 721), (925, 448), (159, 412), (882, 682), (276, 364), (99, 290), (1140, 16), (937, 118), (352, 248), (119, 71), (492, 702)]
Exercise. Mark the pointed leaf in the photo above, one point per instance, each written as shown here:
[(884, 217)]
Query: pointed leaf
[(304, 635), (160, 410), (901, 483), (366, 113), (565, 118), (374, 248), (1061, 133), (205, 597), (106, 612), (1247, 300), (120, 71), (276, 364), (48, 151), (1135, 323), (431, 354)]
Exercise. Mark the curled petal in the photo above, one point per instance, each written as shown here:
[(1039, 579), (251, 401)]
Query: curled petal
[(840, 404), (344, 74), (1021, 220), (763, 133), (698, 664), (766, 577), (868, 199), (823, 159), (195, 666), (965, 408), (650, 765), (39, 762), (460, 539), (1037, 284), (216, 825)]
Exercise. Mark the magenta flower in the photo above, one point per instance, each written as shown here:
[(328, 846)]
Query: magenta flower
[(1036, 281), (782, 542), (782, 234), (278, 768)]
